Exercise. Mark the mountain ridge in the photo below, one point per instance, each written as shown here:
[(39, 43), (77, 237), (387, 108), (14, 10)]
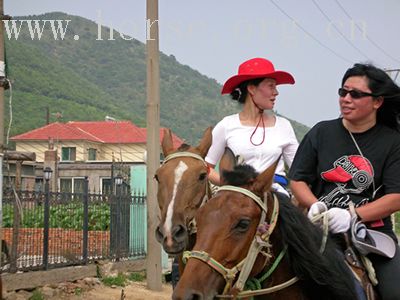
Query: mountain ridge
[(87, 79)]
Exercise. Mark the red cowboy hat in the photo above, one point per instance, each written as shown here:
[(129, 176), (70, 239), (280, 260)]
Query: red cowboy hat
[(256, 68)]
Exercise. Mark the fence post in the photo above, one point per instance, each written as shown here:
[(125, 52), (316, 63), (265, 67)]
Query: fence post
[(17, 218), (118, 223), (85, 225), (46, 217)]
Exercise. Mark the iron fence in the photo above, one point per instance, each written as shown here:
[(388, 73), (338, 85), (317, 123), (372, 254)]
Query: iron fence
[(44, 230)]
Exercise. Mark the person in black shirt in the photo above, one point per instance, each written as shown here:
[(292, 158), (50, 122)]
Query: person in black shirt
[(356, 159)]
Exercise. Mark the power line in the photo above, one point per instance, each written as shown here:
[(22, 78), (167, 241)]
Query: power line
[(309, 34), (366, 36), (337, 29), (396, 73)]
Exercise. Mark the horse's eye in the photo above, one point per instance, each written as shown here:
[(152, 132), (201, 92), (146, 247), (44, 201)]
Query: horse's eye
[(156, 178), (202, 176), (242, 225)]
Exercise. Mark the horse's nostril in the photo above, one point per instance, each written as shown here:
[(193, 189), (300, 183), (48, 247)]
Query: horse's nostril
[(159, 235), (181, 294), (195, 296), (180, 232)]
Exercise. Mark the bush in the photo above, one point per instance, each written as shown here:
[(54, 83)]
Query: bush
[(137, 276), (36, 295), (66, 216), (119, 280)]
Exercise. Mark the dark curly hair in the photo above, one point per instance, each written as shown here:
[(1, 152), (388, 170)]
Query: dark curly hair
[(240, 92)]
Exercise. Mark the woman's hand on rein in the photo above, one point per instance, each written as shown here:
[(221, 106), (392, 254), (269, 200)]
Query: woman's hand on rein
[(339, 220)]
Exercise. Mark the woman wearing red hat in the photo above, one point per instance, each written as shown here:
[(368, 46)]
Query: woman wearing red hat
[(256, 134), (355, 161)]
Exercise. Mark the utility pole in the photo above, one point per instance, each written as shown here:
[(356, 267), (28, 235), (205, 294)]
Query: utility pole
[(2, 85), (153, 261), (2, 75)]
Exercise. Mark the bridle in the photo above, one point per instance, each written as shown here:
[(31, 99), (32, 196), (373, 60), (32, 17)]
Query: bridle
[(184, 154), (192, 222), (259, 243)]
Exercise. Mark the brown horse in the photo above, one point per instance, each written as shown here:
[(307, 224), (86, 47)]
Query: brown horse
[(244, 232), (182, 188)]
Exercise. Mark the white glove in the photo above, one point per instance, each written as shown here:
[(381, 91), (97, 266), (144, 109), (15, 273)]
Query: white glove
[(339, 220), (316, 209)]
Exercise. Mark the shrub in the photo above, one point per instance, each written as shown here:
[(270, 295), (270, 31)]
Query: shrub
[(137, 276), (66, 216), (119, 280)]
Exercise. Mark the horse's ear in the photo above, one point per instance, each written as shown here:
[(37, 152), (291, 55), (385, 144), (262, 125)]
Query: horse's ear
[(227, 163), (263, 181), (205, 142), (167, 144)]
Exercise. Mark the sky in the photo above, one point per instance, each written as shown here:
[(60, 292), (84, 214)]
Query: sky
[(314, 40)]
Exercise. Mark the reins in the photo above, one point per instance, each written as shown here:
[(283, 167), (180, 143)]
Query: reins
[(260, 241)]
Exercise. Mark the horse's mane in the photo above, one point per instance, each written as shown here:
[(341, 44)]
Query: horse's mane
[(240, 175), (324, 275), (183, 147)]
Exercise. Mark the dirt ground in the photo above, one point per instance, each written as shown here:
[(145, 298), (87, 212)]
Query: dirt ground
[(97, 291), (133, 291)]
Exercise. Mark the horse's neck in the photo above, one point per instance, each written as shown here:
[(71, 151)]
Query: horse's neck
[(282, 274)]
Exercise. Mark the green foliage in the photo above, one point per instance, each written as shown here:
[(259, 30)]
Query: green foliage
[(88, 79), (137, 276), (67, 216), (119, 280), (78, 291), (397, 223), (36, 295)]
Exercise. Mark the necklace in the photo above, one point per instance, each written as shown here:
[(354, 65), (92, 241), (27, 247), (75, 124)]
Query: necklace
[(366, 162)]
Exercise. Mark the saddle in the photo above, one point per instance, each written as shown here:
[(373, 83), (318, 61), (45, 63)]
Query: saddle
[(361, 268), (356, 244), (359, 242)]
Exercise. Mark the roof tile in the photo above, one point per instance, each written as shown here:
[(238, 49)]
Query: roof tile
[(110, 132)]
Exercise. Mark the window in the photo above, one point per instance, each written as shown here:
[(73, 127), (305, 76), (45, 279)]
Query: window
[(39, 185), (79, 185), (106, 186), (66, 185), (68, 154), (72, 185), (92, 154)]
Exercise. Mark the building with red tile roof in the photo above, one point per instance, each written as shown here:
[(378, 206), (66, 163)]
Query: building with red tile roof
[(95, 149)]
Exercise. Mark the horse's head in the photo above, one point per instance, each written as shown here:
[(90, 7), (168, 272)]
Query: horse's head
[(226, 226), (182, 187)]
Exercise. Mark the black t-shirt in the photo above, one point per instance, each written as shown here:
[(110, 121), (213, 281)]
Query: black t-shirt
[(329, 161)]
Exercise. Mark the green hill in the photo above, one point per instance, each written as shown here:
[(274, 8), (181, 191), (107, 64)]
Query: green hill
[(87, 79)]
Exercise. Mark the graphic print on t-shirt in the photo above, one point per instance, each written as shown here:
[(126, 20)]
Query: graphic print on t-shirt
[(352, 174)]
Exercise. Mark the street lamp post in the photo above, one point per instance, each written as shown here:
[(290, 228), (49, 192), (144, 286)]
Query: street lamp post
[(46, 216), (118, 181)]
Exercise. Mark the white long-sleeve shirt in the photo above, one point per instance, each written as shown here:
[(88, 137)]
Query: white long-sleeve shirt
[(279, 140)]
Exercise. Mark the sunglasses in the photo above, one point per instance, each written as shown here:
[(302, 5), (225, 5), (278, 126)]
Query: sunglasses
[(353, 93)]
